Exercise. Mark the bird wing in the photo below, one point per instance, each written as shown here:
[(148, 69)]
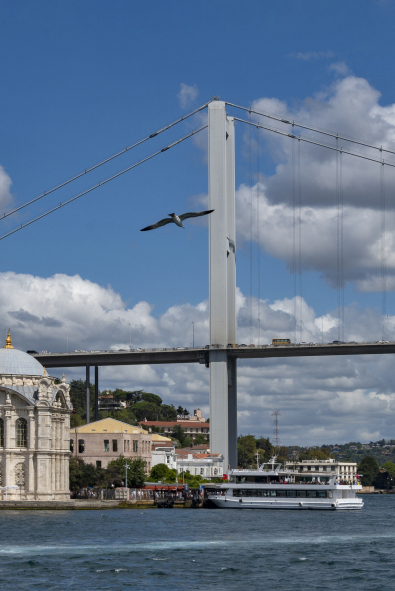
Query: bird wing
[(158, 224), (194, 214)]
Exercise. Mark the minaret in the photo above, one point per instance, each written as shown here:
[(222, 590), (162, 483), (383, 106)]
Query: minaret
[(8, 341)]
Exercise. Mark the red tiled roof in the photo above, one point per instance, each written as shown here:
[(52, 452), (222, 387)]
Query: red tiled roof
[(174, 423)]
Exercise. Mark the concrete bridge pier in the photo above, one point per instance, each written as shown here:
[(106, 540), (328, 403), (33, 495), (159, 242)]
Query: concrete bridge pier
[(222, 284)]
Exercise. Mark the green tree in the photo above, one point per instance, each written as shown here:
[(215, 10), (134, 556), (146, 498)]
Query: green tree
[(148, 397), (246, 450), (369, 468), (161, 472), (136, 471), (315, 454), (82, 475), (389, 467), (76, 420), (179, 434), (200, 439)]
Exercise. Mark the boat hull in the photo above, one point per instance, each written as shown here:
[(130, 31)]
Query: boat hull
[(310, 504)]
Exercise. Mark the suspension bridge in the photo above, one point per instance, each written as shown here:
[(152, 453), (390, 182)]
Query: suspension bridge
[(223, 351)]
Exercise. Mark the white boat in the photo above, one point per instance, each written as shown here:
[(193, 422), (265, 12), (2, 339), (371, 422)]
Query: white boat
[(277, 488)]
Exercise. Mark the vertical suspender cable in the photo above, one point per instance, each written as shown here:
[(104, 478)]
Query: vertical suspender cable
[(338, 242), (251, 219), (342, 285), (383, 255), (294, 231), (300, 245), (258, 241)]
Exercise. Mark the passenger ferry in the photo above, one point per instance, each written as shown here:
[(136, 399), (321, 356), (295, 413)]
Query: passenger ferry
[(272, 487)]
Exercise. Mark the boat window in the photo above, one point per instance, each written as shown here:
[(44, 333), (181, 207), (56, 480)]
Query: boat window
[(301, 493), (291, 493), (311, 493), (261, 479), (321, 494), (250, 493), (281, 493)]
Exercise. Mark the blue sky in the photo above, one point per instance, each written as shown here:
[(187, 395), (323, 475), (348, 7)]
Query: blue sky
[(80, 81)]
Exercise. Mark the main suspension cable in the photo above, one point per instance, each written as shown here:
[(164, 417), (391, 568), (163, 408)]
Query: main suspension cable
[(308, 141), (87, 170), (294, 236), (321, 131), (101, 183), (258, 252)]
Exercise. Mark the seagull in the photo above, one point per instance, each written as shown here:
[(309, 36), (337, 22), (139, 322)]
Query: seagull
[(176, 219)]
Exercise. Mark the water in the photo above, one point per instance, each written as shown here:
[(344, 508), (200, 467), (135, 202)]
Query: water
[(174, 549)]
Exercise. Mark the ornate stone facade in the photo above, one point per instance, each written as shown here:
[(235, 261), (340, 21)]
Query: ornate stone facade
[(34, 429)]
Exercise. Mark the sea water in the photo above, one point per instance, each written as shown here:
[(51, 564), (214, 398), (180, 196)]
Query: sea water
[(199, 549)]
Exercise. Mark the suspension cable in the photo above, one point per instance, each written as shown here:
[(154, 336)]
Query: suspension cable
[(87, 170), (294, 237), (321, 131), (308, 141), (338, 243), (342, 284), (251, 236), (258, 252), (383, 256), (300, 245), (101, 183)]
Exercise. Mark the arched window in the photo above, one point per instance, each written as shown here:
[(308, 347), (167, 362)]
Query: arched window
[(21, 433), (81, 446), (1, 433)]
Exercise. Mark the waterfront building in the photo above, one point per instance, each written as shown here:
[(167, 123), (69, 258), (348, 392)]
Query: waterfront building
[(34, 429), (184, 460), (101, 442), (191, 427), (196, 417), (323, 470)]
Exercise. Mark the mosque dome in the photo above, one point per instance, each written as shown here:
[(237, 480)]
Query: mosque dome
[(17, 362)]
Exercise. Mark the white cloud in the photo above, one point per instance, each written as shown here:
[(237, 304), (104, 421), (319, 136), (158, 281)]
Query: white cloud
[(362, 237), (321, 399), (340, 68), (187, 95), (5, 189), (312, 55)]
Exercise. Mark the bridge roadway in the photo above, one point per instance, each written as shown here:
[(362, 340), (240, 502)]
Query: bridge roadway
[(201, 355)]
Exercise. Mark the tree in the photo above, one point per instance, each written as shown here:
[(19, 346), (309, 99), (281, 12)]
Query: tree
[(76, 420), (82, 475), (246, 450), (315, 454), (369, 468), (136, 471), (148, 397), (389, 467), (161, 472), (179, 434), (200, 439)]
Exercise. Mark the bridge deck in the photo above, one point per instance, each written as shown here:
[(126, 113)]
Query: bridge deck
[(200, 355)]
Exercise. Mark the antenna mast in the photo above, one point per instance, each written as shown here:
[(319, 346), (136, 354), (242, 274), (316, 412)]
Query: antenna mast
[(276, 433)]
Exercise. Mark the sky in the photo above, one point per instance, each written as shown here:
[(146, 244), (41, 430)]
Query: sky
[(82, 81)]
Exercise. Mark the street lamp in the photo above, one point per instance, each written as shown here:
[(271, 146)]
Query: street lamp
[(126, 473), (193, 335)]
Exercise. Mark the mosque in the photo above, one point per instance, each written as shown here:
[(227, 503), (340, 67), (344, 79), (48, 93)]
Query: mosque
[(34, 429)]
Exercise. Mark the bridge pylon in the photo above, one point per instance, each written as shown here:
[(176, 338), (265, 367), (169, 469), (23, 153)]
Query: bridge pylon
[(222, 283)]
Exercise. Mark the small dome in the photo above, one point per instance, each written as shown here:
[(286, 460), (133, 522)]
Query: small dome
[(17, 362)]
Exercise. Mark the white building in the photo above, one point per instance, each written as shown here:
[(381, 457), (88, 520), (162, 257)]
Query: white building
[(184, 460), (34, 429), (323, 470)]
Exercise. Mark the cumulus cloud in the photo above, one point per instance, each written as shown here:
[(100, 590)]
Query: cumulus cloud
[(361, 229), (5, 189), (312, 55), (350, 107), (321, 399), (187, 95)]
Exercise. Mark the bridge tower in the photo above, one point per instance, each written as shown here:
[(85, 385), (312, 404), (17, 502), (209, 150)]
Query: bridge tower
[(222, 283)]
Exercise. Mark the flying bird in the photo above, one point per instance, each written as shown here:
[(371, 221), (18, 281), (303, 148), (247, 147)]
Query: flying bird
[(176, 219)]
